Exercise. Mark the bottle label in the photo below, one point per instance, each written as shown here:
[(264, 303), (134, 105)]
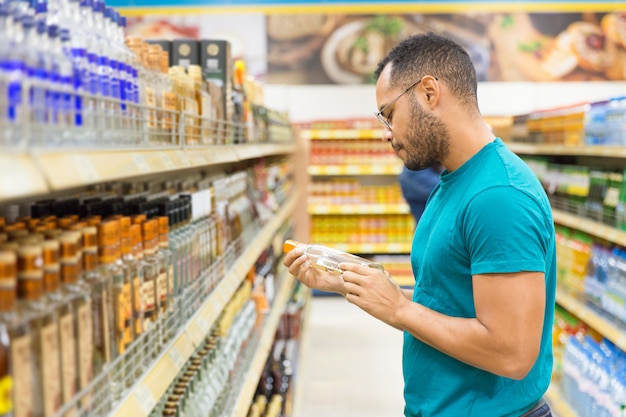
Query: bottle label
[(93, 73), (14, 90), (85, 349), (162, 286), (128, 314), (169, 103), (119, 312), (147, 296), (170, 279), (22, 381), (115, 80), (50, 372), (104, 75), (151, 102), (104, 317), (68, 356), (137, 305)]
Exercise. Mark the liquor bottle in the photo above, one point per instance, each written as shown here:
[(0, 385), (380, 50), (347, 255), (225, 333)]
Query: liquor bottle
[(16, 361), (166, 275), (108, 253), (79, 293), (328, 259), (134, 260), (150, 300), (43, 321), (100, 290), (62, 302)]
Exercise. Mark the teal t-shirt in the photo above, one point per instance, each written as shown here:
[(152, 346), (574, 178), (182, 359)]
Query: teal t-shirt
[(491, 215)]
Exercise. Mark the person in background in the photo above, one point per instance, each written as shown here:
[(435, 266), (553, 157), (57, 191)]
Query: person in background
[(416, 186), (477, 325)]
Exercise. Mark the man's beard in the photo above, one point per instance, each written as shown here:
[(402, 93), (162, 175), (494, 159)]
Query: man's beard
[(427, 140)]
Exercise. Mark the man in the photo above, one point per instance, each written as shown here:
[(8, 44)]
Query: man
[(477, 326)]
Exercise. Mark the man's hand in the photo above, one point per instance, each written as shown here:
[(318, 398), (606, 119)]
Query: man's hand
[(300, 267), (373, 291)]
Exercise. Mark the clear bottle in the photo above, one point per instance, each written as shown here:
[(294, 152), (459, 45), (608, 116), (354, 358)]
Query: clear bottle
[(60, 95), (135, 265), (77, 290), (168, 121), (328, 259), (108, 254), (63, 303), (16, 361), (101, 289), (43, 320), (166, 278), (150, 300)]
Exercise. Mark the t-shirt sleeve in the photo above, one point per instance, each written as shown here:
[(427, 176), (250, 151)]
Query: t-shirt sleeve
[(506, 231)]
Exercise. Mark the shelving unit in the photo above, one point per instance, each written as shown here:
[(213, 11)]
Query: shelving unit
[(39, 171), (153, 384), (358, 209), (559, 406), (570, 150), (371, 169), (373, 248), (591, 227), (321, 134), (262, 351)]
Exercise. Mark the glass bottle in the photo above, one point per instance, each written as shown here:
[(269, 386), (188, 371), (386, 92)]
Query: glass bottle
[(78, 292), (166, 275), (150, 300), (101, 307), (63, 303), (108, 253), (43, 320), (16, 361), (328, 259), (169, 101)]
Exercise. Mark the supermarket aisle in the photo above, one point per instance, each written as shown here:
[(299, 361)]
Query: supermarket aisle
[(351, 364)]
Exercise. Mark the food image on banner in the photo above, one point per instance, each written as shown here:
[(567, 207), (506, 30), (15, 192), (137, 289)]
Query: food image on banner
[(345, 49)]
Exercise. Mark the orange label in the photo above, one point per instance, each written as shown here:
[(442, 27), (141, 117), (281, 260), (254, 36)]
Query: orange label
[(162, 286), (148, 298), (137, 307)]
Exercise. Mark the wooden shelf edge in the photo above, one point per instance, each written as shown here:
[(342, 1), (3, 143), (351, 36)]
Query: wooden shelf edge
[(246, 394), (591, 227), (206, 315)]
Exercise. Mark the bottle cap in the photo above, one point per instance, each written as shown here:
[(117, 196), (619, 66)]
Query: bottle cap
[(289, 245)]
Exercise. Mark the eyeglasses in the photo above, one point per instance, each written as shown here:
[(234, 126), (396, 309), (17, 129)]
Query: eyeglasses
[(379, 114)]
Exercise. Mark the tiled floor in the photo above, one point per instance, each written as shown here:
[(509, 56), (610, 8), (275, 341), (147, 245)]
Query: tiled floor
[(351, 364)]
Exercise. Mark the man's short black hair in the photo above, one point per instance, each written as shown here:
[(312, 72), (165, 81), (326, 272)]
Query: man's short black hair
[(431, 54)]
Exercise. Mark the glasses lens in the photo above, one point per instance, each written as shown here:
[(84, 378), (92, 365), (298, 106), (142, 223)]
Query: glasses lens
[(381, 119)]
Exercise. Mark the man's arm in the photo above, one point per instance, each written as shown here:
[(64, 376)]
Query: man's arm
[(503, 339)]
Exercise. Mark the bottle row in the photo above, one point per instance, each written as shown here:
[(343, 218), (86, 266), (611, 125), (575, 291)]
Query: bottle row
[(329, 152), (94, 287), (594, 271), (386, 228), (352, 191), (595, 123), (590, 192), (590, 370), (69, 76)]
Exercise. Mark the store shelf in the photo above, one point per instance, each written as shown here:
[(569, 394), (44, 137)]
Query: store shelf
[(320, 134), (151, 387), (557, 403), (40, 171), (246, 394), (405, 281), (371, 248), (604, 325), (357, 169), (553, 149), (591, 227), (19, 176), (400, 208)]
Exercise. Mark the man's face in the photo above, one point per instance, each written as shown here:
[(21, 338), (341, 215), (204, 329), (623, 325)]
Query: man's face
[(419, 137)]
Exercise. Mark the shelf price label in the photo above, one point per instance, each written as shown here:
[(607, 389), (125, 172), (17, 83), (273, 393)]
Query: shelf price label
[(167, 161), (183, 159), (141, 164), (176, 357), (145, 398), (86, 169)]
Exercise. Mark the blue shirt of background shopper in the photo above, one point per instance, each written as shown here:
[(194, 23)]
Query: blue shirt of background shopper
[(416, 186), (477, 325)]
